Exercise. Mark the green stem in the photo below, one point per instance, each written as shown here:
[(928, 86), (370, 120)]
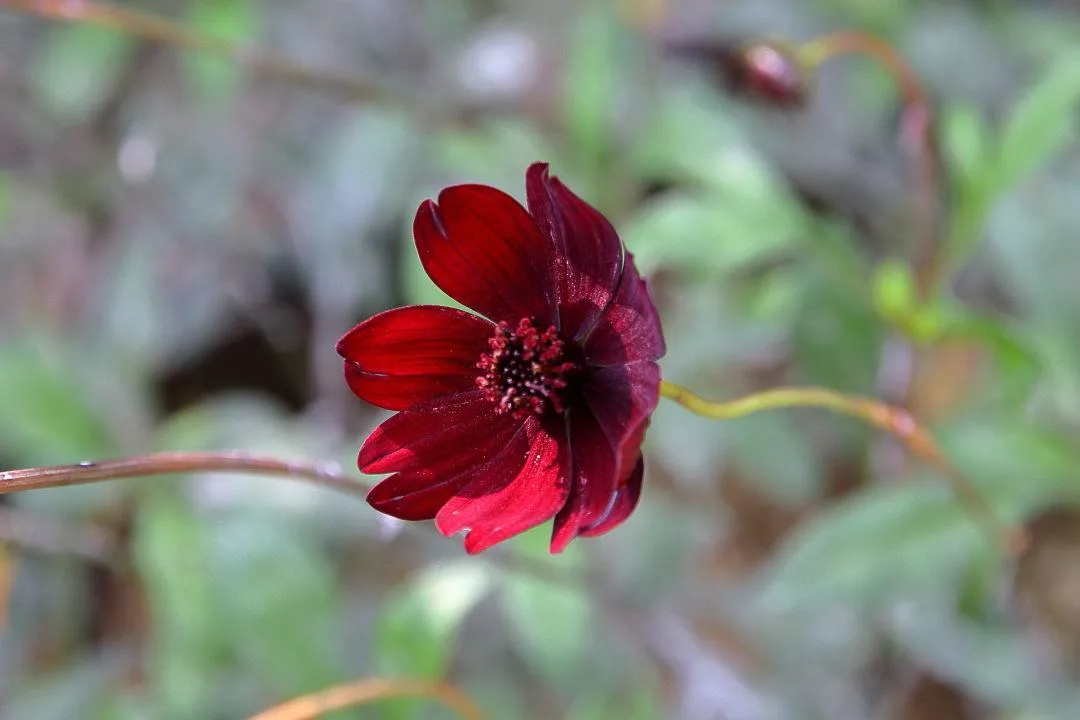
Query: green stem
[(893, 420)]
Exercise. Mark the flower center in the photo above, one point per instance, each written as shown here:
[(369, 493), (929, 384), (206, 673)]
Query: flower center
[(527, 370)]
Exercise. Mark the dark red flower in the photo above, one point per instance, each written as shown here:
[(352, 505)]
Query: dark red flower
[(535, 408)]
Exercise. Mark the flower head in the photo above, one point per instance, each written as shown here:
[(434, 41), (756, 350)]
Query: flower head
[(535, 407)]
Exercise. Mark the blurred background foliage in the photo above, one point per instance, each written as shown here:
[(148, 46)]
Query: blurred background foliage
[(183, 239)]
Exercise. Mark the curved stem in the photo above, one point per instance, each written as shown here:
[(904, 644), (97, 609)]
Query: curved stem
[(893, 420), (369, 690), (172, 463), (916, 136), (158, 29)]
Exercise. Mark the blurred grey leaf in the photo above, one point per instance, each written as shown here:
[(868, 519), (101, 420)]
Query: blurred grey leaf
[(779, 454), (68, 692), (354, 188)]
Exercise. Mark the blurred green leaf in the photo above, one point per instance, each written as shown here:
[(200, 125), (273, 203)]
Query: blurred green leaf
[(893, 289), (592, 73), (897, 537), (1017, 361), (985, 658), (7, 191), (215, 78), (709, 235), (966, 141), (417, 629), (640, 703), (46, 413), (495, 154), (836, 337), (76, 66), (1039, 126), (264, 577), (170, 551), (777, 450), (550, 622), (415, 632)]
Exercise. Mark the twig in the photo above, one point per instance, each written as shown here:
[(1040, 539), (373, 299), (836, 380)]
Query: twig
[(916, 136), (151, 27), (369, 690), (172, 463)]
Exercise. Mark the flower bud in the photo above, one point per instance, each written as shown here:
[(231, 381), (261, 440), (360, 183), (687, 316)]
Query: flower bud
[(764, 71), (771, 73)]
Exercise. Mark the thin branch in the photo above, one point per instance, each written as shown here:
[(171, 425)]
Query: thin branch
[(325, 474), (158, 29), (370, 690), (917, 136), (893, 420)]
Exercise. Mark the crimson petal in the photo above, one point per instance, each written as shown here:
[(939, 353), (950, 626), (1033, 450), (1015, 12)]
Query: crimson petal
[(482, 249), (595, 481), (629, 330), (622, 399), (622, 505), (588, 252), (415, 495), (525, 486), (411, 354), (442, 436)]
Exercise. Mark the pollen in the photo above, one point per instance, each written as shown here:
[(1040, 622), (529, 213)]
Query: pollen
[(526, 371)]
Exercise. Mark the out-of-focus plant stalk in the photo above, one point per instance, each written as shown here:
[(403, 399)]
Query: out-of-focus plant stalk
[(168, 32), (371, 690), (893, 420), (173, 463), (916, 134)]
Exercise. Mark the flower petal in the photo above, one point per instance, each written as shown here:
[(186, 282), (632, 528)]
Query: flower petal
[(626, 499), (407, 355), (588, 252), (622, 399), (441, 436), (525, 486), (595, 481), (482, 249), (629, 330), (415, 495)]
